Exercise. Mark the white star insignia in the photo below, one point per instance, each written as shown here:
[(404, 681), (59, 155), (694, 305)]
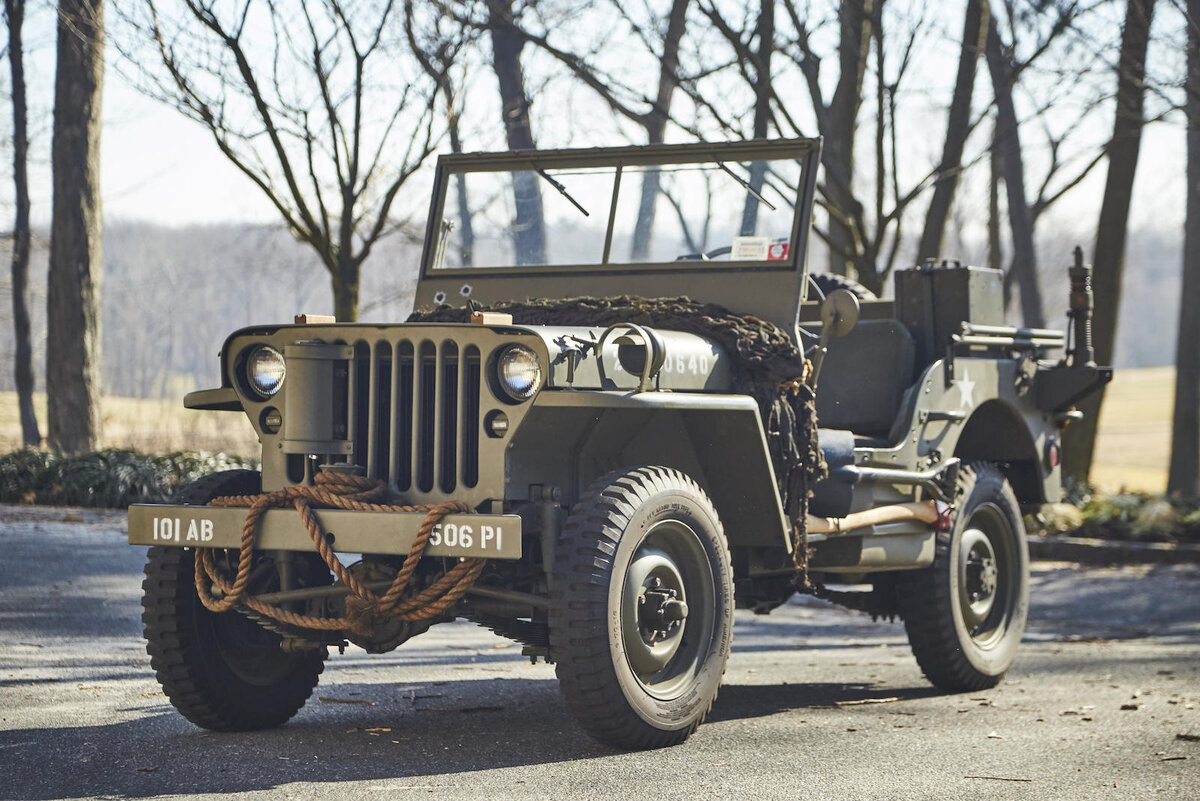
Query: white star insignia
[(966, 388)]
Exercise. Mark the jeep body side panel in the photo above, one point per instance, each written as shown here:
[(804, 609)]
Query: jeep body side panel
[(978, 410)]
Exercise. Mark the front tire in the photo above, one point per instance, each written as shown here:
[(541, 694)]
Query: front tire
[(966, 613), (221, 671), (642, 614)]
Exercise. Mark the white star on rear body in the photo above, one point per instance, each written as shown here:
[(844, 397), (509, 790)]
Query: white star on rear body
[(966, 388)]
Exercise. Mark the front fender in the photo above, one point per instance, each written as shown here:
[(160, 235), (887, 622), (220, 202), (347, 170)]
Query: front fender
[(718, 440)]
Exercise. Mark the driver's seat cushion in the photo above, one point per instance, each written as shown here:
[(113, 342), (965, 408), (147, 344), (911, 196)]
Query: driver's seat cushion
[(864, 377)]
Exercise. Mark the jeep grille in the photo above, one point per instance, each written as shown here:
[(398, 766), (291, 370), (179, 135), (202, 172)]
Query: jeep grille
[(414, 414)]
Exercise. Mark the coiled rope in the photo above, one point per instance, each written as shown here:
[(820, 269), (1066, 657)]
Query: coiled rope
[(337, 490)]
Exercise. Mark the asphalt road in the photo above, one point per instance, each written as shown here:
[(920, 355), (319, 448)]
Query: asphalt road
[(1104, 702)]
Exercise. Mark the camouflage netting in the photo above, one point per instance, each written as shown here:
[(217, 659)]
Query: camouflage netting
[(767, 366)]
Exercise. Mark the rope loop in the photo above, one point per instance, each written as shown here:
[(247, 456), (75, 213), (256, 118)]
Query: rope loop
[(333, 489)]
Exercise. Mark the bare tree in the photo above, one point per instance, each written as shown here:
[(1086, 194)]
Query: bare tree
[(958, 126), (1023, 271), (437, 53), (529, 232), (648, 109), (314, 102), (1109, 257), (73, 308), (1184, 475), (14, 14), (855, 19)]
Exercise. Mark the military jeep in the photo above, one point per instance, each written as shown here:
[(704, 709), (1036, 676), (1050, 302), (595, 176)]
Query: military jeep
[(598, 435)]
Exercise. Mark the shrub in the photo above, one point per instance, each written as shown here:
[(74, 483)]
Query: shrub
[(109, 478)]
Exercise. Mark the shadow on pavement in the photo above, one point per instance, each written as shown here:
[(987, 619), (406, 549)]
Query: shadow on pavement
[(464, 726)]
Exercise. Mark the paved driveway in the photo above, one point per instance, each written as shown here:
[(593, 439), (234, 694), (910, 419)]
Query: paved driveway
[(1104, 702)]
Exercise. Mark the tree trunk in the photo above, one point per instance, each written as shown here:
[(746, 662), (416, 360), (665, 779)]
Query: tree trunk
[(958, 125), (1008, 141), (14, 11), (838, 159), (1109, 258), (995, 252), (345, 283), (1184, 476), (529, 234), (656, 127), (466, 230), (764, 31), (73, 304)]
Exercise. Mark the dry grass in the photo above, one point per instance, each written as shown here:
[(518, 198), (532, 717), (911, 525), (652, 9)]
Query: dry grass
[(1134, 445), (150, 426), (1131, 453)]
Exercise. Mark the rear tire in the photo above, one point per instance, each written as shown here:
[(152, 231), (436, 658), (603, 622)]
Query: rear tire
[(966, 613), (221, 671), (642, 612)]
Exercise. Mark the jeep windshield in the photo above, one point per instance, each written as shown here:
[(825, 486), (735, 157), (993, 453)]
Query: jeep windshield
[(736, 204)]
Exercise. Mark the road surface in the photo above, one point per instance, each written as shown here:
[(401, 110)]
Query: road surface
[(818, 703)]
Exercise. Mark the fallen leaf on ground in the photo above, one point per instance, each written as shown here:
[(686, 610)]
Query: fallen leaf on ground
[(861, 701)]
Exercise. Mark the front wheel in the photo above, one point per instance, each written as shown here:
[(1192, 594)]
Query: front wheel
[(642, 614), (966, 613), (223, 671)]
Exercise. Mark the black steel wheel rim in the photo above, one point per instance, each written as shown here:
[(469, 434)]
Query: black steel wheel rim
[(988, 580), (667, 609)]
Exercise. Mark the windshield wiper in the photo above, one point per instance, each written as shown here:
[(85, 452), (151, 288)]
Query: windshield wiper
[(562, 190), (745, 185)]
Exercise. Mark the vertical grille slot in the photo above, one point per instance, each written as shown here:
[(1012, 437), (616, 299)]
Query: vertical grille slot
[(425, 412), (448, 418), (362, 372), (380, 420), (469, 415), (400, 470)]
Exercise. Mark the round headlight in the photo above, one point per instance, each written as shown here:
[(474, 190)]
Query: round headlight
[(519, 371), (265, 370)]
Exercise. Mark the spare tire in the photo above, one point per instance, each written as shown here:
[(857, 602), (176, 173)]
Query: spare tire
[(825, 283)]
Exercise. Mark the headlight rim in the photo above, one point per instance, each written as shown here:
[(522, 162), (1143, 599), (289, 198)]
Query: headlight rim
[(507, 392), (248, 374)]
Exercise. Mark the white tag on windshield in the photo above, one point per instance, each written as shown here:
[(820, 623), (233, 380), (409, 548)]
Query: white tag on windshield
[(749, 248)]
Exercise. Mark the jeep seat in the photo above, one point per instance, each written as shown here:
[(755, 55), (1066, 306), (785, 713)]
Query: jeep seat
[(864, 378)]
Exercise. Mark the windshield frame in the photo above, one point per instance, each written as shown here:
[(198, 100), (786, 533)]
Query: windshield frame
[(806, 152)]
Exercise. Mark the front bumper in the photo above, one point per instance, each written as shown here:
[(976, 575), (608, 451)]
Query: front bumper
[(392, 533)]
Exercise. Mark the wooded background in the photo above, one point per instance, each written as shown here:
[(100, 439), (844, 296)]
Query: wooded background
[(999, 133)]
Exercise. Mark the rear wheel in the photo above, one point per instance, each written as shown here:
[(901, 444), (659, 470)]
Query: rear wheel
[(223, 671), (642, 617), (966, 613)]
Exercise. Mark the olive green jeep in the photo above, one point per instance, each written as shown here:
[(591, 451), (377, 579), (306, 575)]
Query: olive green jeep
[(598, 436)]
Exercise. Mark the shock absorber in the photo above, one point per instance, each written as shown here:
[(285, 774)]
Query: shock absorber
[(1080, 311)]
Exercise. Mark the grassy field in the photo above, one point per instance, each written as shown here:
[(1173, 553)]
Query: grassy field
[(1134, 445), (1131, 453)]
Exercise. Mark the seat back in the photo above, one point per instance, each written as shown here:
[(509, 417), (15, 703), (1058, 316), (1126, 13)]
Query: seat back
[(864, 378)]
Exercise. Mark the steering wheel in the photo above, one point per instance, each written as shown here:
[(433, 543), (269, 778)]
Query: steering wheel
[(709, 255)]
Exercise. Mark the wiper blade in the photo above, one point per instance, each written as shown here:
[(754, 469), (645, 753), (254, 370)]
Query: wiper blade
[(745, 185), (562, 190)]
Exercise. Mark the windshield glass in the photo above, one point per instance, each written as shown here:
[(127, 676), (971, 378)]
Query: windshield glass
[(611, 216)]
